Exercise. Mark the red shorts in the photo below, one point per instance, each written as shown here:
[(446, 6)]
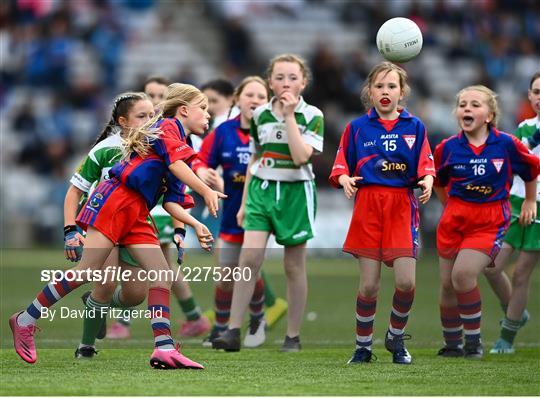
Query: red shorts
[(384, 224), (476, 226), (119, 213)]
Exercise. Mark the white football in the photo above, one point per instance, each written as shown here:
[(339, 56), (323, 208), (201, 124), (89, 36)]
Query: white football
[(399, 40)]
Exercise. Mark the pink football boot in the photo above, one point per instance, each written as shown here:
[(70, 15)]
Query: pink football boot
[(172, 359), (23, 339)]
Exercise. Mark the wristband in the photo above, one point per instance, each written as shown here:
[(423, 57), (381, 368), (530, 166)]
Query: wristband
[(180, 231), (70, 228)]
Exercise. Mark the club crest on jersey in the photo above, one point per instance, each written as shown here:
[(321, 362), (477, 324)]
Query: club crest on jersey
[(410, 140), (96, 200), (498, 163)]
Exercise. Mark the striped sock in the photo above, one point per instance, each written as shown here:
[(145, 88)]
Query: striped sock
[(94, 315), (190, 309), (470, 310), (401, 306), (223, 300), (158, 301), (256, 311), (452, 327), (365, 314), (509, 329), (50, 294), (116, 302)]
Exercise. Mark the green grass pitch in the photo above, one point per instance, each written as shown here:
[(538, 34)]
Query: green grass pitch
[(121, 368)]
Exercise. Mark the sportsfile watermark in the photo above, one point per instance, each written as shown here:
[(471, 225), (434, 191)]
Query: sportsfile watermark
[(64, 312), (116, 274)]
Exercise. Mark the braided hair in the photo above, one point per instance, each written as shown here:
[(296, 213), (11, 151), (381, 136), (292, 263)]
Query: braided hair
[(121, 106)]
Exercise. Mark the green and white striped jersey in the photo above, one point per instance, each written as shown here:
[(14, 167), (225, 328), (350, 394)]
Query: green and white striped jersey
[(526, 129), (95, 167), (269, 140)]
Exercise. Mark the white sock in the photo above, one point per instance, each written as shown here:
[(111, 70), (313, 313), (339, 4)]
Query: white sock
[(25, 319)]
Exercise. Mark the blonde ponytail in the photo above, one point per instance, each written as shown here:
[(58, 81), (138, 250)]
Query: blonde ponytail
[(139, 140)]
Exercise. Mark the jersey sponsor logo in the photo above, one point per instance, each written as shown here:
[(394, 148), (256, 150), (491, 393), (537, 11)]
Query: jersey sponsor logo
[(476, 161), (498, 163), (238, 178), (459, 167), (370, 143), (410, 140), (388, 136), (267, 162), (481, 189), (393, 166), (226, 154), (182, 147)]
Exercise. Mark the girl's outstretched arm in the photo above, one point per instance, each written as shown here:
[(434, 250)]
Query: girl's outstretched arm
[(183, 172)]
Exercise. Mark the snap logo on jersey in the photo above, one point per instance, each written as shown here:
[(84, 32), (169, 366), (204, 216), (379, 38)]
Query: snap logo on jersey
[(482, 189), (498, 163), (238, 178), (410, 140), (393, 166)]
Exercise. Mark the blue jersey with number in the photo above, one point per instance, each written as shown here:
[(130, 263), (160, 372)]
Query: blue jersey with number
[(228, 146), (483, 174), (394, 153)]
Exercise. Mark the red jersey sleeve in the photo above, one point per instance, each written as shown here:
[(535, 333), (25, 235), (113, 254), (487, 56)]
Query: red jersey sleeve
[(341, 166), (426, 165), (203, 157), (524, 163), (170, 146), (438, 161)]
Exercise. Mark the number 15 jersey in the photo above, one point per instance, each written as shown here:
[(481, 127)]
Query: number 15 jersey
[(394, 153)]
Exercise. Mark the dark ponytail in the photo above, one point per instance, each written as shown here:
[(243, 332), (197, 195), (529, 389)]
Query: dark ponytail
[(121, 107)]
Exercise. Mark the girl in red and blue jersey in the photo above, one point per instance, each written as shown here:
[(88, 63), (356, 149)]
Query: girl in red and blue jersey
[(116, 214), (383, 155), (474, 176), (228, 146)]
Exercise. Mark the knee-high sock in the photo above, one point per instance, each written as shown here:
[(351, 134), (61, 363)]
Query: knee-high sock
[(470, 310), (452, 326), (223, 300), (94, 315), (401, 306), (50, 294), (365, 315), (158, 304)]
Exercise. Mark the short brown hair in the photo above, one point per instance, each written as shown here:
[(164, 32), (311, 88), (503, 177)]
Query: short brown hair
[(385, 67)]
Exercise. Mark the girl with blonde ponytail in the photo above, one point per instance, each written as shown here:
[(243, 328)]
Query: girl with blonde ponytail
[(116, 214)]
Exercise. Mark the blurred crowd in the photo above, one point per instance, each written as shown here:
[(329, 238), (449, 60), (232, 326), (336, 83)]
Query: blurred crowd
[(62, 60)]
